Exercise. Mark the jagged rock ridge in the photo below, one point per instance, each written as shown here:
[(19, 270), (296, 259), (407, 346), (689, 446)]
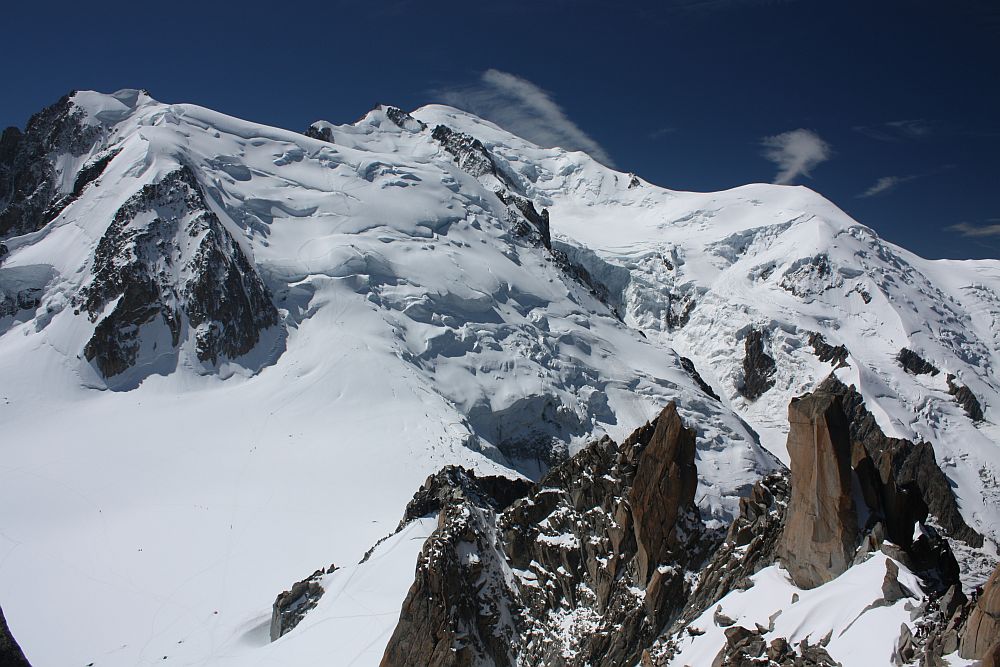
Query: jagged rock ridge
[(30, 193), (587, 569)]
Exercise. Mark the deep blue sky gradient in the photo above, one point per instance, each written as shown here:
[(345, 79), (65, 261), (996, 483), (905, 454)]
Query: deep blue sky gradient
[(680, 92)]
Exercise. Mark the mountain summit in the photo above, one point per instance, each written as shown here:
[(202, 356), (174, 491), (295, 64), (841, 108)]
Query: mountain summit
[(231, 353)]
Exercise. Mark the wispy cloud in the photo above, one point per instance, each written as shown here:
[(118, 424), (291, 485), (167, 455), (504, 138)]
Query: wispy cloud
[(521, 107), (899, 130), (887, 183), (661, 132), (796, 153), (968, 230)]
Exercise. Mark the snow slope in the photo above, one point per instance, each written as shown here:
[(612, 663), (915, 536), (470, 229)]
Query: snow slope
[(152, 517), (166, 507)]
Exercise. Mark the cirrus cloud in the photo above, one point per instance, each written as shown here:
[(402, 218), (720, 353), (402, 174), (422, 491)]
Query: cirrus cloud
[(887, 183), (527, 110), (968, 230), (796, 153)]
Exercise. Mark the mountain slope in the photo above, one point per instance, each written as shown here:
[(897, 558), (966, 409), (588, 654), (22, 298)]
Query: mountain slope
[(230, 353)]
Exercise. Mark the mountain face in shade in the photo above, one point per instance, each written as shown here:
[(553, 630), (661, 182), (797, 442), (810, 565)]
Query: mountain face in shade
[(230, 354)]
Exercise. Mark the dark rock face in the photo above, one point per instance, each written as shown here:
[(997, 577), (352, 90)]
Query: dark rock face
[(914, 364), (220, 295), (401, 118), (10, 653), (689, 368), (821, 522), (469, 152), (834, 354), (291, 606), (321, 133), (602, 540), (29, 194), (475, 159), (964, 397), (904, 476), (758, 367), (526, 220)]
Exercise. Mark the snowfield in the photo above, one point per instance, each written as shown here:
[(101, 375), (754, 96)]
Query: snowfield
[(152, 517)]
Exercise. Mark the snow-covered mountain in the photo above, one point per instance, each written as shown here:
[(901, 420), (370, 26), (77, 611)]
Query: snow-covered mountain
[(231, 353)]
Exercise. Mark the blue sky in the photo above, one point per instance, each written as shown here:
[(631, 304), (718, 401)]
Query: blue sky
[(890, 108)]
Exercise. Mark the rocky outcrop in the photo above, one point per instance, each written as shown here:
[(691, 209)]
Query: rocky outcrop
[(320, 132), (964, 397), (693, 373), (291, 606), (745, 647), (585, 570), (167, 257), (981, 638), (914, 364), (821, 524), (460, 610), (29, 184), (10, 653), (758, 367), (902, 478), (469, 153), (833, 354), (850, 481), (401, 118), (662, 491), (454, 483), (526, 220)]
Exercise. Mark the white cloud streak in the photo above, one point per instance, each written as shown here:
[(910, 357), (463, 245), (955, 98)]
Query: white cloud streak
[(795, 153), (521, 107), (976, 231), (887, 183)]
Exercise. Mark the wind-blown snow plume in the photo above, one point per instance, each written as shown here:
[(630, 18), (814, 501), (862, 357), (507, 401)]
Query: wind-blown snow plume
[(796, 153), (518, 105)]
